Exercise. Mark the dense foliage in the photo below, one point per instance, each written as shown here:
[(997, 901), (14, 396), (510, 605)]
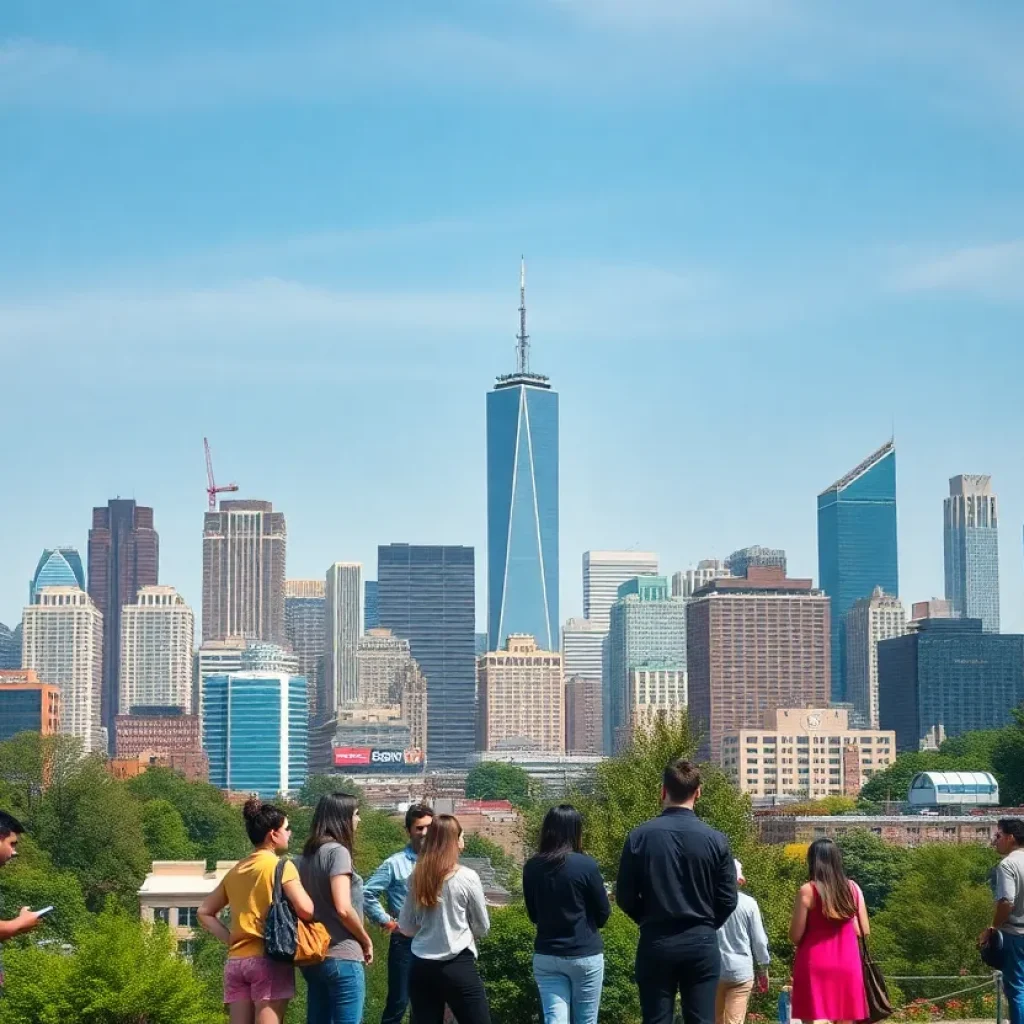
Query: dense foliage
[(495, 781)]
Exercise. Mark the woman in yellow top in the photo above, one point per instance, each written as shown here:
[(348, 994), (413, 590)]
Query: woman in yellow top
[(256, 989)]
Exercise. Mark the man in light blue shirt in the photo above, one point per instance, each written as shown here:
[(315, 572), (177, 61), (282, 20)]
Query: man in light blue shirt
[(742, 942), (391, 881)]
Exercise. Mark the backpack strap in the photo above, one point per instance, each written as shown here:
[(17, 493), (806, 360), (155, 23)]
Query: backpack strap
[(278, 876)]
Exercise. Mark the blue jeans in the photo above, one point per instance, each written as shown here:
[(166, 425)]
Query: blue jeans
[(399, 965), (336, 991), (569, 982), (1013, 975)]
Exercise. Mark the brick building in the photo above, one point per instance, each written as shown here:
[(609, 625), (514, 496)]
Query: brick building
[(584, 732), (160, 737)]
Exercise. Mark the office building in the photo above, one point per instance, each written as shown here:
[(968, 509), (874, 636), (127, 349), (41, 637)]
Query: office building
[(371, 606), (216, 658), (27, 705), (305, 625), (655, 692), (156, 663), (754, 645), (10, 647), (934, 608), (63, 644), (256, 731), (857, 545), (344, 628), (582, 647), (805, 752), (871, 619), (124, 557), (244, 549), (389, 676), (480, 643), (584, 733), (686, 583), (521, 698), (948, 675), (164, 737), (755, 557), (647, 630), (427, 597), (522, 503), (270, 658), (971, 543), (604, 572), (57, 567), (365, 740)]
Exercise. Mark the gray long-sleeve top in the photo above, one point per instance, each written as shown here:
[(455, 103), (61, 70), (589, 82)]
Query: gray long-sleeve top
[(458, 920), (742, 940)]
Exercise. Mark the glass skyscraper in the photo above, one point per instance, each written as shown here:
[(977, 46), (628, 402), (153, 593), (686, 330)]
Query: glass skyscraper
[(58, 567), (427, 596), (857, 545), (522, 504), (371, 606), (10, 647), (971, 542)]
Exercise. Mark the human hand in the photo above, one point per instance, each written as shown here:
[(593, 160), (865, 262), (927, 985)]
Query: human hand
[(368, 952), (390, 926), (985, 937), (762, 982), (27, 919)]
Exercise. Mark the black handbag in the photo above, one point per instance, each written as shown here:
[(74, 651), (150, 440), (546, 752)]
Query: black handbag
[(879, 1004), (991, 951), (281, 932)]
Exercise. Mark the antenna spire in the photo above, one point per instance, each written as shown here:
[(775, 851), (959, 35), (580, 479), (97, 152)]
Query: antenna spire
[(523, 339)]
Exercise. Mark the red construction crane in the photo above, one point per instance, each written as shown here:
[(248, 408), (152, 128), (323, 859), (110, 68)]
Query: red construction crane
[(212, 490)]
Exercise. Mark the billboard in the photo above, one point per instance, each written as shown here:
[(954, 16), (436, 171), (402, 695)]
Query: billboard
[(372, 757)]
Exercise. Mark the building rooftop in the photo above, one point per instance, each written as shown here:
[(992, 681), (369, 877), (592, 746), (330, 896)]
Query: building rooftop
[(858, 471)]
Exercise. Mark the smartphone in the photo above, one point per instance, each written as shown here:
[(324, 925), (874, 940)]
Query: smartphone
[(43, 912)]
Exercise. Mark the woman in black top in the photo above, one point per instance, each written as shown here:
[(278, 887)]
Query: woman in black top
[(567, 901)]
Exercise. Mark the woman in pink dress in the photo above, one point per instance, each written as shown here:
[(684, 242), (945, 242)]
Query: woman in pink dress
[(828, 979)]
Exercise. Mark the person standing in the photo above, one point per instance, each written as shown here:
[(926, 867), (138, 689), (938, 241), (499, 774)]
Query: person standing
[(444, 916), (391, 881), (566, 899), (742, 943), (677, 880), (256, 988), (1008, 914), (828, 916), (11, 830), (336, 987)]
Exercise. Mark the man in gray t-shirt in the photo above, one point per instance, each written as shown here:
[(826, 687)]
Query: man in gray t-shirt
[(316, 872), (1008, 916)]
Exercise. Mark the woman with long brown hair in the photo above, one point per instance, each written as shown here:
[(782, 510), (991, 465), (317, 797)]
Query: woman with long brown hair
[(444, 915), (828, 916)]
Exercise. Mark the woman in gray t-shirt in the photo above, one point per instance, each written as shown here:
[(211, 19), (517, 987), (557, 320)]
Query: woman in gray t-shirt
[(337, 987)]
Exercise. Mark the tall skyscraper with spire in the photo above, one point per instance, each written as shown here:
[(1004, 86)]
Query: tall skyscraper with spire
[(857, 545), (522, 501), (971, 541)]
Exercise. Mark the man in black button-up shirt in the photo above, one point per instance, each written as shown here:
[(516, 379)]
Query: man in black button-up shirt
[(677, 880)]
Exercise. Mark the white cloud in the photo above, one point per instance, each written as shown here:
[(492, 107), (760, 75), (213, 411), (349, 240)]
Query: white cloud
[(994, 271)]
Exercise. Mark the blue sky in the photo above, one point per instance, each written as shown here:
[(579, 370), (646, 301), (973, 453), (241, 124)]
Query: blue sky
[(759, 234)]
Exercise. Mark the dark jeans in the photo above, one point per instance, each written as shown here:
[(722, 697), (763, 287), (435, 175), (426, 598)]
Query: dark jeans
[(399, 962), (336, 991), (433, 983), (1013, 975), (688, 964)]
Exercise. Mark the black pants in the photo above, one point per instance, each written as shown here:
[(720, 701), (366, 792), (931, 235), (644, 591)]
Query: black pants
[(433, 983), (688, 964), (399, 964)]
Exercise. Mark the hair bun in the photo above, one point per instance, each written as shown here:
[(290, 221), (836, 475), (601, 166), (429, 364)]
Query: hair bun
[(252, 807)]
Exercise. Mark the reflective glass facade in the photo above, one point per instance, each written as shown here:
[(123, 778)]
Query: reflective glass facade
[(255, 732), (971, 546), (857, 545), (522, 512), (21, 710), (58, 567), (427, 596), (371, 606), (10, 647)]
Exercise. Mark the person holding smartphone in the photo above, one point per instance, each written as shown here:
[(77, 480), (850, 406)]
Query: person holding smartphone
[(10, 831)]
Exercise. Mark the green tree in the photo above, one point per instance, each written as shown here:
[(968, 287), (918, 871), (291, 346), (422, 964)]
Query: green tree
[(165, 832), (876, 866), (38, 884), (1008, 761), (317, 786), (492, 780)]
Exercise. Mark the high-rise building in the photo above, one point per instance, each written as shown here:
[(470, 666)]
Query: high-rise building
[(244, 547), (427, 597), (124, 557), (582, 649), (344, 628), (522, 502), (654, 692), (385, 663), (584, 733), (10, 647), (371, 606), (270, 658), (971, 542), (216, 658), (256, 732), (63, 644), (647, 630), (857, 545), (27, 705), (687, 583), (754, 645), (157, 634), (755, 557), (163, 736), (604, 572), (948, 676), (878, 617), (521, 698), (305, 618), (57, 567), (480, 643), (933, 608)]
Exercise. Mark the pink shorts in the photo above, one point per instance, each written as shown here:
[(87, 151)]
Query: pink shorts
[(257, 979)]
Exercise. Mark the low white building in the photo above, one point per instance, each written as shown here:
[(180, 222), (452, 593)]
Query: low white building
[(173, 892)]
